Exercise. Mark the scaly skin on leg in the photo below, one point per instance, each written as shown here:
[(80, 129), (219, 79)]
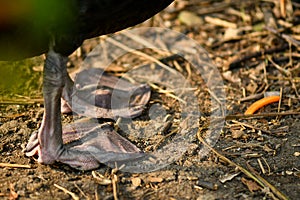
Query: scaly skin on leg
[(66, 105), (50, 146)]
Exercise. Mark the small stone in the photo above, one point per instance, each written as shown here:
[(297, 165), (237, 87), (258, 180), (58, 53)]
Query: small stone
[(189, 18)]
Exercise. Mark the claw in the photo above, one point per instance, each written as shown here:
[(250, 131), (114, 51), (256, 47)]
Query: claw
[(31, 148)]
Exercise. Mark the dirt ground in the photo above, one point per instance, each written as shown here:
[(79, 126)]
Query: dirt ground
[(255, 157)]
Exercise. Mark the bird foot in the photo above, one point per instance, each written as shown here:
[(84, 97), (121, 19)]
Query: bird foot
[(86, 144), (100, 95)]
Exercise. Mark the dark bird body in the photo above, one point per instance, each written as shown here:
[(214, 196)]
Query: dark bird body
[(58, 27), (27, 26)]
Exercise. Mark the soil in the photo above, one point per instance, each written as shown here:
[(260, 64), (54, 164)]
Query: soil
[(254, 157)]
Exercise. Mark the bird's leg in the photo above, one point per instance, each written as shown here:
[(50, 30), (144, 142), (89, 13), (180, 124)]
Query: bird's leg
[(49, 144), (50, 133), (95, 145)]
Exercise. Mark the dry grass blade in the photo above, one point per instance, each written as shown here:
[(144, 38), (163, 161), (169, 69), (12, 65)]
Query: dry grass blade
[(139, 53), (115, 187), (215, 97), (73, 195), (14, 165), (235, 61), (21, 101), (250, 126), (288, 38), (102, 180), (166, 92), (258, 179), (220, 22), (144, 42), (279, 68), (261, 166), (269, 185), (80, 190), (115, 179), (287, 73), (261, 115), (164, 138)]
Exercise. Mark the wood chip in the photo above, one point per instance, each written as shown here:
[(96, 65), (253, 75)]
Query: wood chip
[(136, 181), (220, 22), (155, 179), (14, 165)]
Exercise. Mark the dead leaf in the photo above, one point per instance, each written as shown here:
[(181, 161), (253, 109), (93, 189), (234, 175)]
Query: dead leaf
[(252, 186), (12, 194), (252, 87)]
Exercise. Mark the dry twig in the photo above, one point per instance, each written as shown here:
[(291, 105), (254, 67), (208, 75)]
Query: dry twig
[(139, 53), (73, 195), (14, 165), (257, 178)]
